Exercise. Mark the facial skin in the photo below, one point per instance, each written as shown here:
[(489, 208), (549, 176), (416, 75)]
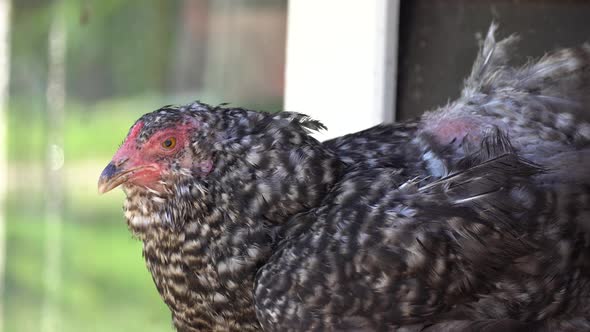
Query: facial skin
[(147, 163)]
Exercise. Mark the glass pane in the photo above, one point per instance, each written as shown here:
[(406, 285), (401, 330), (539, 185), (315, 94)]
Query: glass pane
[(81, 72)]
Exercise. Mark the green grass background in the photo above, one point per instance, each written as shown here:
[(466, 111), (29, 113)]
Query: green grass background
[(105, 285)]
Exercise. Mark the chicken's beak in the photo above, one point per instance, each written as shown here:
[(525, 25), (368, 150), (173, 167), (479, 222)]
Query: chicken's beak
[(116, 174), (111, 177)]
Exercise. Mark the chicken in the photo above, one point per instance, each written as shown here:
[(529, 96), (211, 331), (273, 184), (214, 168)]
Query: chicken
[(473, 218)]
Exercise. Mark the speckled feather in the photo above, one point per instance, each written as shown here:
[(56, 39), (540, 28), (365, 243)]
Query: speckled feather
[(204, 237), (474, 217)]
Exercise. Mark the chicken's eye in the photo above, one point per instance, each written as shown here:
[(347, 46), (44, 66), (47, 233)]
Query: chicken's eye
[(169, 143)]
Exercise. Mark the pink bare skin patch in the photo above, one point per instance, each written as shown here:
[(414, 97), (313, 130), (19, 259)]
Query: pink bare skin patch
[(129, 143), (135, 130), (129, 156), (447, 131), (206, 166), (149, 163)]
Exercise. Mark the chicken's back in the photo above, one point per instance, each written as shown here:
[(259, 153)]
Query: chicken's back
[(378, 254)]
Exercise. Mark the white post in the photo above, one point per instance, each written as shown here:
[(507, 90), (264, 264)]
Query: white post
[(4, 79), (56, 96), (342, 62)]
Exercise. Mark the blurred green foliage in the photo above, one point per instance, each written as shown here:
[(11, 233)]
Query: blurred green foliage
[(91, 131), (110, 44), (122, 60), (105, 285)]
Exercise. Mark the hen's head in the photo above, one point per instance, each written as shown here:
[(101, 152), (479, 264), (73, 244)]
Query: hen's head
[(160, 147), (259, 163)]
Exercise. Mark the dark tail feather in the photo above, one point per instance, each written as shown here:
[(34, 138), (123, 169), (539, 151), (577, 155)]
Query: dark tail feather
[(492, 168), (492, 56), (557, 86)]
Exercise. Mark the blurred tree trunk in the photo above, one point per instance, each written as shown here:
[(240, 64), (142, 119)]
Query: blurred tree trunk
[(190, 58), (162, 32), (5, 6), (245, 53), (56, 94), (225, 45)]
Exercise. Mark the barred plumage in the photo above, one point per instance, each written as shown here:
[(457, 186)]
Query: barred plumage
[(474, 217)]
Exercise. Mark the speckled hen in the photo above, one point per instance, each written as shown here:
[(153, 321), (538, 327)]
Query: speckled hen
[(473, 218)]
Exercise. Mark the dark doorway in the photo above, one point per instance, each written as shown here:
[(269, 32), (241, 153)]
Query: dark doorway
[(438, 41)]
